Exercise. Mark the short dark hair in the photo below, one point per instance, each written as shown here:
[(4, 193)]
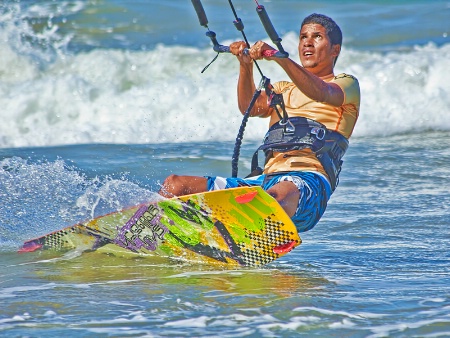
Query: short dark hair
[(332, 29)]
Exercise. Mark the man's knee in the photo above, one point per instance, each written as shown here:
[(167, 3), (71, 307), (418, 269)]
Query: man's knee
[(287, 195), (176, 185), (171, 180), (172, 186)]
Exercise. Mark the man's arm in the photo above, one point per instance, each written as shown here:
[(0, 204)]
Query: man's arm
[(246, 84), (311, 85)]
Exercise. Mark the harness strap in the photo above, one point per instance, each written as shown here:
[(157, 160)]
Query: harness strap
[(300, 133)]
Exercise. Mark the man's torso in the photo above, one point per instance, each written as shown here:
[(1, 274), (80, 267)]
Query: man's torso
[(341, 119)]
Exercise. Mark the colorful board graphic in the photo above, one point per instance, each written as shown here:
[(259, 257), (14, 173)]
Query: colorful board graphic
[(236, 227)]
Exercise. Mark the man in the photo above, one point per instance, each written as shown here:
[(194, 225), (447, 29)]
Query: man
[(300, 176)]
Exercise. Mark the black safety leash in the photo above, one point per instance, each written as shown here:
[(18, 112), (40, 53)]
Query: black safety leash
[(275, 100)]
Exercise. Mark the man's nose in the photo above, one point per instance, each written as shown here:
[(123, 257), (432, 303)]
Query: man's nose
[(307, 41)]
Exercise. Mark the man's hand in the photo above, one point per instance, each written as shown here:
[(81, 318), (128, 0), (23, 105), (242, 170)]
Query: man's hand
[(237, 48), (256, 52)]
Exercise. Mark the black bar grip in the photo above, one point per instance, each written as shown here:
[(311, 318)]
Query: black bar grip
[(200, 13), (271, 32), (226, 49), (267, 24)]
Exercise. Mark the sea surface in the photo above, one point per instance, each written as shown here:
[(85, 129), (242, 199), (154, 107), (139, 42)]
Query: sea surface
[(101, 100)]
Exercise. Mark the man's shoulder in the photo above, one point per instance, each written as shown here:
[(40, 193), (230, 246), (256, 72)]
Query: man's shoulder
[(347, 82), (350, 86), (345, 76)]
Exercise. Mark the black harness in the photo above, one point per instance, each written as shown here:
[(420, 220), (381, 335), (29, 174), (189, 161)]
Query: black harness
[(299, 133)]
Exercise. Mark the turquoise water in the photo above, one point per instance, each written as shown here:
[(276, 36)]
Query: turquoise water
[(102, 100), (376, 265)]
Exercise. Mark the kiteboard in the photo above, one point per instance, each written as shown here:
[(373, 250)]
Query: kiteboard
[(233, 227)]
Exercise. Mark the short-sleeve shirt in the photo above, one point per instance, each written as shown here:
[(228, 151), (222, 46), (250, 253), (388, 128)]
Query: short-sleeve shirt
[(341, 119)]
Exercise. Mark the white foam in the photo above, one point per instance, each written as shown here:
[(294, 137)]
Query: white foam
[(119, 96), (404, 92), (191, 322)]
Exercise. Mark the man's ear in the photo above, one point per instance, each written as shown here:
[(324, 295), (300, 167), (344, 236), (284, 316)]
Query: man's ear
[(335, 50)]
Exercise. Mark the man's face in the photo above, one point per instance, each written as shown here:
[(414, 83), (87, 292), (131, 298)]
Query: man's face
[(315, 50)]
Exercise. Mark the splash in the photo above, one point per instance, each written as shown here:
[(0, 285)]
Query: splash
[(41, 197)]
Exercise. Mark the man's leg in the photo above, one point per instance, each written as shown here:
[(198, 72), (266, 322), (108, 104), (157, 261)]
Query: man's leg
[(175, 185), (285, 192)]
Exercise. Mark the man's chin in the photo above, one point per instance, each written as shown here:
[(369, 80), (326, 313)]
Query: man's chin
[(309, 65)]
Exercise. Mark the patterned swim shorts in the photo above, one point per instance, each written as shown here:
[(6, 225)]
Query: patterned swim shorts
[(315, 191)]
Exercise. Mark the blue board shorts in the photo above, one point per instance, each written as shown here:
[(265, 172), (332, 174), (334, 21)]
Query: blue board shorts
[(315, 191)]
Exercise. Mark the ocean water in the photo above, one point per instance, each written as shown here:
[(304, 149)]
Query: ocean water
[(101, 100)]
